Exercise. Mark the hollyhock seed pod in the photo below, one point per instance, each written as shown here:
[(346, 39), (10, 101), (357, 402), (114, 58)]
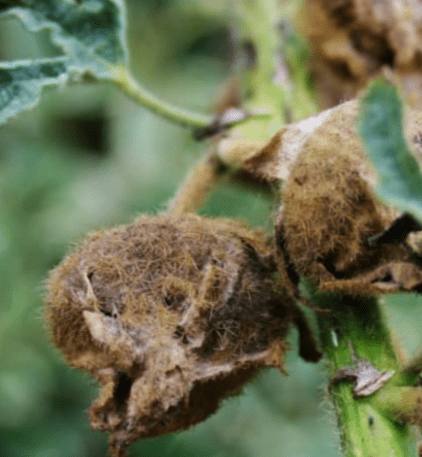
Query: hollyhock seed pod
[(330, 225), (354, 41), (331, 213), (169, 314)]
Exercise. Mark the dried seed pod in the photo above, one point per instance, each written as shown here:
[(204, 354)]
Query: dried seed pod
[(169, 314), (353, 41), (330, 215)]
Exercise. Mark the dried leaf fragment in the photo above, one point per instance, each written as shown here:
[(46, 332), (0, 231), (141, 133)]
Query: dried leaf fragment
[(367, 379), (169, 314)]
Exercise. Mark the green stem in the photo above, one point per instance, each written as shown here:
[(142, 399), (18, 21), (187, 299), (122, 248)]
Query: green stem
[(125, 81), (365, 428), (256, 25)]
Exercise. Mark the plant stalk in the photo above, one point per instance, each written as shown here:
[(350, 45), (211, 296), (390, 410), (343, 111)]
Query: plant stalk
[(365, 428)]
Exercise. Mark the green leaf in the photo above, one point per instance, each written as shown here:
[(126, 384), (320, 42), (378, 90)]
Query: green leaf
[(90, 33), (380, 126), (21, 82)]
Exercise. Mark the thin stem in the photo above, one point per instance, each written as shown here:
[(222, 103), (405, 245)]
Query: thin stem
[(198, 185), (125, 81)]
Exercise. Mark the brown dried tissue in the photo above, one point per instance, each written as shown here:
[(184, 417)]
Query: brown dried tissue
[(353, 41), (169, 314)]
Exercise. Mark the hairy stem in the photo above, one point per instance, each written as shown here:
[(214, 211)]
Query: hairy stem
[(197, 186), (365, 429)]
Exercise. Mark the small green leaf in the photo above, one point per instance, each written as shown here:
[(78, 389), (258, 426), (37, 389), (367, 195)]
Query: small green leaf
[(90, 33), (380, 126), (21, 83)]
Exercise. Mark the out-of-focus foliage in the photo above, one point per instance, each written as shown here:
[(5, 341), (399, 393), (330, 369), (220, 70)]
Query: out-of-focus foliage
[(88, 157)]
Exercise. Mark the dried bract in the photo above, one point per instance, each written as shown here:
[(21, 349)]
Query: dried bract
[(169, 314)]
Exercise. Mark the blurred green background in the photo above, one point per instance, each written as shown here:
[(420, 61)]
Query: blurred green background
[(88, 157)]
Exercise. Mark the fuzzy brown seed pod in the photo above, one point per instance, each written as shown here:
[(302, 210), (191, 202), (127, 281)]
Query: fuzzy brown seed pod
[(169, 314), (329, 211), (353, 41)]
